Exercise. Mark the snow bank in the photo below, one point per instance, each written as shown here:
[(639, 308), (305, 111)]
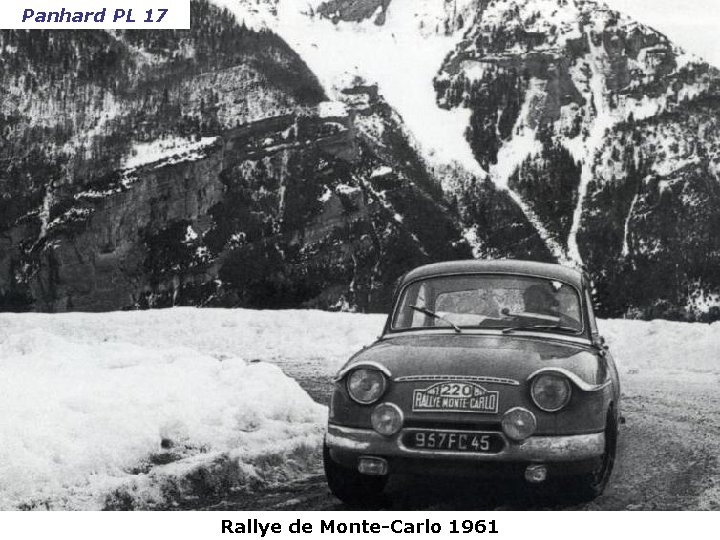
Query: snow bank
[(297, 338), (663, 346), (93, 418), (268, 336)]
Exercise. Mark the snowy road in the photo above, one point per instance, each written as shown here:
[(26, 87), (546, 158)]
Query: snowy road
[(669, 455), (668, 460)]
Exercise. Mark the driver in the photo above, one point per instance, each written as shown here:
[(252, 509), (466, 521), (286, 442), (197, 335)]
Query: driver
[(539, 300)]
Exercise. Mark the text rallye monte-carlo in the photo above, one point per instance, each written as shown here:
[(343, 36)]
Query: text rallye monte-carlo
[(487, 368)]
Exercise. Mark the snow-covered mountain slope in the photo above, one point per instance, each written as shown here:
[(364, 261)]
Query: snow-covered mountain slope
[(144, 409), (221, 175), (544, 96), (552, 75), (398, 45)]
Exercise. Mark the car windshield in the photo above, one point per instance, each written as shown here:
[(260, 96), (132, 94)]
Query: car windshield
[(510, 303)]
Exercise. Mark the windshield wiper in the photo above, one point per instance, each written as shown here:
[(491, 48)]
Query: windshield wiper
[(541, 327), (434, 315)]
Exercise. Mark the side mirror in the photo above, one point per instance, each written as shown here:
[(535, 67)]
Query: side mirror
[(600, 343)]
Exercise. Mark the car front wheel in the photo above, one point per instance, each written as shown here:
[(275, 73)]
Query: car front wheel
[(351, 487), (589, 486)]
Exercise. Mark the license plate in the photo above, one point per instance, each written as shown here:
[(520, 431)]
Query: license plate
[(454, 441)]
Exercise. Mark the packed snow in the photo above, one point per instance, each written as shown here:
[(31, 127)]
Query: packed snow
[(101, 409), (332, 109), (131, 408)]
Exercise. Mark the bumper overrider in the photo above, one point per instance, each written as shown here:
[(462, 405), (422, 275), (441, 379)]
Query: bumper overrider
[(567, 454)]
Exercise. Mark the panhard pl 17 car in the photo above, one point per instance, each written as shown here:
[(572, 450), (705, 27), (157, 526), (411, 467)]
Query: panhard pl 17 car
[(483, 368)]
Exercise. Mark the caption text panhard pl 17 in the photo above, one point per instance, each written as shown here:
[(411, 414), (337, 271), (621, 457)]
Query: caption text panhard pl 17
[(95, 14)]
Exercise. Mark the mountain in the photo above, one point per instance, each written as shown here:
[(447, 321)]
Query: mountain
[(595, 135), (607, 135), (284, 154), (148, 169)]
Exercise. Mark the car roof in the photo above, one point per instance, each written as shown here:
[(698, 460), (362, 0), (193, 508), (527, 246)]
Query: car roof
[(545, 270)]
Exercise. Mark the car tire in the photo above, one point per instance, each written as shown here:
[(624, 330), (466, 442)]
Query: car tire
[(352, 488), (588, 487)]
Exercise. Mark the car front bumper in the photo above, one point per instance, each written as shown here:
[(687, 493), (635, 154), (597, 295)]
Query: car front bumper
[(571, 454)]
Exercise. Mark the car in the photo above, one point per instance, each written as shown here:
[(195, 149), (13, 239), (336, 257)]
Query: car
[(487, 368)]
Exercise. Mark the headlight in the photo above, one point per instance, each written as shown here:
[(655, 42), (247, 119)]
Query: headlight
[(550, 392), (387, 419), (518, 424), (366, 386)]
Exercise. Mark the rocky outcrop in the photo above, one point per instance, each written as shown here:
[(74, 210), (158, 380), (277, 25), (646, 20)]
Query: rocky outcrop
[(354, 10), (96, 261), (292, 210)]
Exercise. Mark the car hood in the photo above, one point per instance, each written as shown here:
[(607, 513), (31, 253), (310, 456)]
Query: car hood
[(509, 356)]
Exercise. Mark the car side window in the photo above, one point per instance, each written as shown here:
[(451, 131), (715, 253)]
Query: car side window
[(419, 319), (591, 314)]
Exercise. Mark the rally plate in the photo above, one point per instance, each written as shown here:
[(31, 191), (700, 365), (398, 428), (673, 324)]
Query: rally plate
[(454, 396), (454, 441)]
